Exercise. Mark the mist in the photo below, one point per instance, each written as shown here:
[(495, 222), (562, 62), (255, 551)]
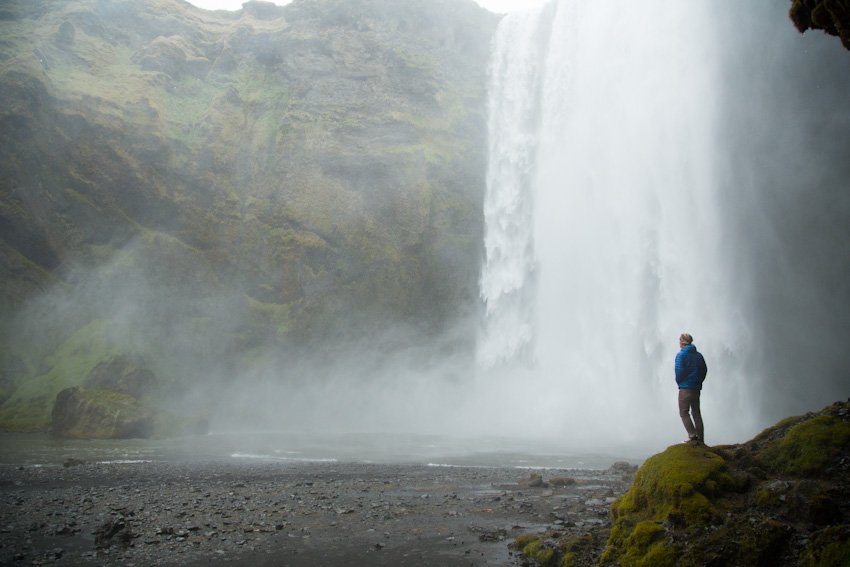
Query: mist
[(685, 169), (649, 172)]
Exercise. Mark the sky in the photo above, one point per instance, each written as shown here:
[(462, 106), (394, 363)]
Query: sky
[(498, 6)]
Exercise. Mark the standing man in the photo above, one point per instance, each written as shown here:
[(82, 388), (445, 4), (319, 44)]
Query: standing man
[(690, 374)]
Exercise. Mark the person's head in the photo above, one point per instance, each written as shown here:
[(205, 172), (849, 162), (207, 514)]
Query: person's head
[(685, 339)]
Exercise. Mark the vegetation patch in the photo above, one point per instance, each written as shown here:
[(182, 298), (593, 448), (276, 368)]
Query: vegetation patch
[(28, 409), (808, 448), (678, 480), (674, 487), (537, 548), (829, 548)]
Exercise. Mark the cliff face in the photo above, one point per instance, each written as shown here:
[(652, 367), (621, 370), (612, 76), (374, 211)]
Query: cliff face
[(185, 182)]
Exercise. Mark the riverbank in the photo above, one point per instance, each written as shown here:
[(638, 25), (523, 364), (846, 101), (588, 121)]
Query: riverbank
[(273, 513)]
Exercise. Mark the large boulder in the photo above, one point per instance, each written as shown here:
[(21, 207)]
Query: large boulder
[(100, 414), (108, 414), (122, 373)]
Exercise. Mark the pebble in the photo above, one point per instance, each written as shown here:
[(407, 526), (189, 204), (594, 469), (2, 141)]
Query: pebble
[(151, 513)]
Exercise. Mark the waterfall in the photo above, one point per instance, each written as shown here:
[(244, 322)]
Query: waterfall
[(602, 219), (508, 276)]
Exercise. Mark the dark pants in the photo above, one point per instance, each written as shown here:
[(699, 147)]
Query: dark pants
[(689, 406)]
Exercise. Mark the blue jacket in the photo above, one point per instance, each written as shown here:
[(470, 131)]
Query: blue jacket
[(690, 368)]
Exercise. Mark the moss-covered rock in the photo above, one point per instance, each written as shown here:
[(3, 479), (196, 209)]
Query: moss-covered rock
[(781, 499), (69, 364), (536, 548), (99, 414), (808, 448), (108, 414), (828, 548), (675, 487), (122, 373)]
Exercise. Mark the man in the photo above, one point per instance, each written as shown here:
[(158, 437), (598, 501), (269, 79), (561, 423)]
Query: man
[(690, 374)]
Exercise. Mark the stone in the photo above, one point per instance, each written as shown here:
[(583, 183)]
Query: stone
[(100, 414)]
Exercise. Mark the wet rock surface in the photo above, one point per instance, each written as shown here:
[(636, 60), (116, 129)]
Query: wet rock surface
[(266, 513)]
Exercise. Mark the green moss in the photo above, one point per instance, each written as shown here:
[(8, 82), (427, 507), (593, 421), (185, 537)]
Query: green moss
[(763, 542), (764, 498), (828, 548), (577, 549), (678, 481), (102, 414), (639, 545), (538, 550), (29, 408), (645, 534), (524, 539), (808, 448), (535, 547)]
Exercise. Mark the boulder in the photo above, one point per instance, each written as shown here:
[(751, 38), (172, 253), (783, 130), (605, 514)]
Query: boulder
[(122, 373), (104, 413), (534, 480), (622, 467), (100, 414)]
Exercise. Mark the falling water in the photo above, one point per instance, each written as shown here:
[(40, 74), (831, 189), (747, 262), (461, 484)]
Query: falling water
[(507, 279), (601, 217)]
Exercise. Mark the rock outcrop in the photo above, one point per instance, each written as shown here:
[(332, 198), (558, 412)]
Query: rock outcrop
[(831, 16), (108, 414), (100, 414), (124, 374), (781, 499)]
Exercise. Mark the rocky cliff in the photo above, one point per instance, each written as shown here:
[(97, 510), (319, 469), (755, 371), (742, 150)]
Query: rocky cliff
[(782, 498), (200, 189)]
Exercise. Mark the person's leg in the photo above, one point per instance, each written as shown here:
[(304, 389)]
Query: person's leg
[(695, 411), (684, 409)]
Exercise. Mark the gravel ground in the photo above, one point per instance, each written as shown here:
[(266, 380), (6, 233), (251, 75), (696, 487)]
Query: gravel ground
[(265, 513)]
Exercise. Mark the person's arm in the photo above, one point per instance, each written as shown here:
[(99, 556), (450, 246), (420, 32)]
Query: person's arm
[(681, 371)]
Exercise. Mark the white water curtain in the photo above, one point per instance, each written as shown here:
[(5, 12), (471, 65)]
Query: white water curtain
[(603, 229)]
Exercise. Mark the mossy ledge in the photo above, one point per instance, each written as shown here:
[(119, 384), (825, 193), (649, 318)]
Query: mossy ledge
[(780, 499)]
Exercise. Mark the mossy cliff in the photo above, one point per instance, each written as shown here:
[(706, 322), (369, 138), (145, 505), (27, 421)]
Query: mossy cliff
[(781, 499), (178, 184)]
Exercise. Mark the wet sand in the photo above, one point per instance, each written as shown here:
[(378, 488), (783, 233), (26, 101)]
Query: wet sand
[(271, 513)]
